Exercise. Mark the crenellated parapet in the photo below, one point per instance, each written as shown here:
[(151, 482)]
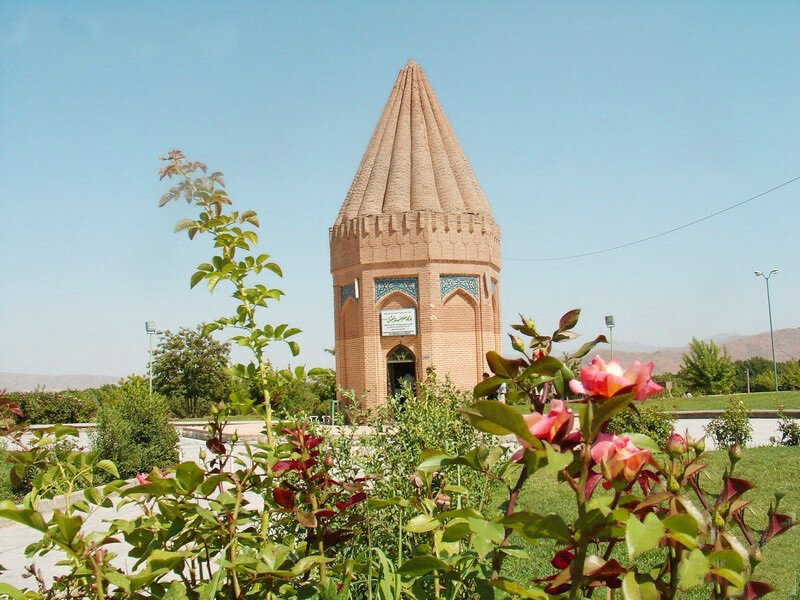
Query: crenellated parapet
[(418, 235)]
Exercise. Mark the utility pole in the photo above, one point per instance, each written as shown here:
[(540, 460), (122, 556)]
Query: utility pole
[(150, 328), (771, 334)]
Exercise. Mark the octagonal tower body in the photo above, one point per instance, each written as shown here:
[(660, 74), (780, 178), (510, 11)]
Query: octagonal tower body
[(414, 238)]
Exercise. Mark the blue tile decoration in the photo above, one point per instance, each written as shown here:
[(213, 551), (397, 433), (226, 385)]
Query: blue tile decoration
[(407, 285), (345, 292), (449, 283)]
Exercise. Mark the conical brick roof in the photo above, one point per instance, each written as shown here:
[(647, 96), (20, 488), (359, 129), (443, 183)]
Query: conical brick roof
[(413, 161)]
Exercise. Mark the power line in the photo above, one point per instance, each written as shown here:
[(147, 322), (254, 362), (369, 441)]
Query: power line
[(657, 235)]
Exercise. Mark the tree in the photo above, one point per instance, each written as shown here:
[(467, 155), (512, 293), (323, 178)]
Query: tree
[(756, 365), (706, 370), (789, 373), (191, 369)]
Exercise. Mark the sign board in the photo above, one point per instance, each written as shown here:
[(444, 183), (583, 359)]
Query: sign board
[(399, 321)]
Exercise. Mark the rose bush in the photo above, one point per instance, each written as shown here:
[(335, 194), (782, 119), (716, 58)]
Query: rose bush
[(280, 518)]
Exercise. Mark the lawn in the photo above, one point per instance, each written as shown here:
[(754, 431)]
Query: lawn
[(781, 565), (756, 400)]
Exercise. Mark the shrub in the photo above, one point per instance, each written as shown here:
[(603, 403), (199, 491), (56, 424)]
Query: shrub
[(732, 427), (788, 428), (648, 420), (133, 431), (70, 406)]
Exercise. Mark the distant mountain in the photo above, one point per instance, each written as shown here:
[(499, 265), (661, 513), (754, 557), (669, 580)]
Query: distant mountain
[(24, 382), (669, 360)]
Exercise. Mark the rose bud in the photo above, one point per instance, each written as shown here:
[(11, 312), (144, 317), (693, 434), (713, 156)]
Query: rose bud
[(676, 445), (699, 445), (735, 453), (328, 462)]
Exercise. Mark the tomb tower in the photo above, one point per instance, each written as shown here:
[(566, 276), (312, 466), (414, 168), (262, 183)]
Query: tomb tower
[(415, 255)]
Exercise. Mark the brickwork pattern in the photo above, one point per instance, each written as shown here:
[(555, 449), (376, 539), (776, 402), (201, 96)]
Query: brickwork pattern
[(415, 211)]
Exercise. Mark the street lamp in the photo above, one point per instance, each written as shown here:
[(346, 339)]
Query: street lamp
[(150, 328), (771, 334), (610, 325)]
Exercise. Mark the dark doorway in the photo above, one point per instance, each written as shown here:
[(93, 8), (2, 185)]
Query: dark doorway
[(400, 367)]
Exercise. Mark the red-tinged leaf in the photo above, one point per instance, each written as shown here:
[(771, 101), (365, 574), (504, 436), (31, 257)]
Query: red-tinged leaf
[(756, 589), (285, 465), (778, 523), (284, 498), (215, 445), (559, 584), (738, 506), (733, 489), (354, 499), (653, 500), (569, 320), (692, 470), (313, 442), (306, 519), (591, 482), (562, 559), (309, 463), (332, 538), (325, 513)]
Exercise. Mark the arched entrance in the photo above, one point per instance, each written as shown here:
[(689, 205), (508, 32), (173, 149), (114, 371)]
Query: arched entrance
[(401, 365)]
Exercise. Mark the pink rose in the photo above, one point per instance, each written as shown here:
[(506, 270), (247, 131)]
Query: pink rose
[(676, 444), (617, 455), (552, 426), (606, 379), (141, 478)]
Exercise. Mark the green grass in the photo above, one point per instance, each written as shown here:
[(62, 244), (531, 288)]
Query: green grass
[(756, 400), (770, 469)]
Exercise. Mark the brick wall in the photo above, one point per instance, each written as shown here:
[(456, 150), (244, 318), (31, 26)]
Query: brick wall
[(453, 333)]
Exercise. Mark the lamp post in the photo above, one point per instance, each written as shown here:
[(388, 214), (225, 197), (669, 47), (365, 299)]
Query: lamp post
[(771, 334), (150, 328), (610, 325)]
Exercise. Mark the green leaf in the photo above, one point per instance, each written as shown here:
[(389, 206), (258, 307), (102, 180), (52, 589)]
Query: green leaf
[(67, 526), (295, 349), (488, 386), (175, 591), (421, 565), (633, 590), (501, 366), (692, 569), (196, 278), (109, 467), (516, 590), (726, 559), (587, 347), (25, 516), (456, 531), (10, 591), (556, 460), (118, 579), (535, 526), (643, 441), (641, 536), (421, 524), (547, 365), (163, 559), (608, 408), (499, 419), (189, 476), (735, 578)]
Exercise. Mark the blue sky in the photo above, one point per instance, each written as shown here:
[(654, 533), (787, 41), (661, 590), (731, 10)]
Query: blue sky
[(587, 125)]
